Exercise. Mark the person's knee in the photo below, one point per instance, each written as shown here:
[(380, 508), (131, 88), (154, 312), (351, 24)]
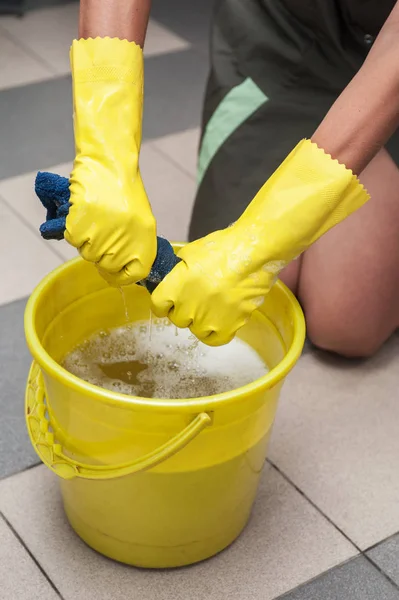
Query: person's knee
[(339, 328)]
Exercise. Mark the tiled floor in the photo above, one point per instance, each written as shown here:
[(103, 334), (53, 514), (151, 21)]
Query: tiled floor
[(326, 521)]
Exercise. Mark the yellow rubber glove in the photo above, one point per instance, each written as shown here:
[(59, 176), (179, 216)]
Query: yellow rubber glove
[(225, 276), (110, 220)]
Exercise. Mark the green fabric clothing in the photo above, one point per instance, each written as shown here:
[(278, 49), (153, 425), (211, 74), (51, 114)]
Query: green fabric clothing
[(276, 68)]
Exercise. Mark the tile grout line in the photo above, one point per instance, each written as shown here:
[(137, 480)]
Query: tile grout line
[(36, 562), (381, 542), (381, 571), (29, 51), (23, 470), (314, 505), (28, 224), (362, 553), (319, 510), (373, 546), (316, 577), (8, 302), (167, 156), (345, 562)]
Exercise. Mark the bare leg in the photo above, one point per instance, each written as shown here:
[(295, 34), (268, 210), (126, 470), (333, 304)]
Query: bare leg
[(349, 279), (290, 275)]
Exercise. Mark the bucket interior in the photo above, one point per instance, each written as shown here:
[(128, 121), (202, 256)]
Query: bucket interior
[(78, 303)]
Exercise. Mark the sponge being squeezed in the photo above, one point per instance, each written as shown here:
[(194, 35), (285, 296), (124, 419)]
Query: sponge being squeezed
[(53, 192)]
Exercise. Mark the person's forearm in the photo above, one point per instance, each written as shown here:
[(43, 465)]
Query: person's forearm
[(124, 19), (366, 114)]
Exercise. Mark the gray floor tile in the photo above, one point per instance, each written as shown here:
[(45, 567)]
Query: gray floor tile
[(191, 20), (287, 542), (21, 7), (36, 124), (174, 90), (20, 578), (355, 580), (34, 4), (30, 259), (160, 40), (37, 119), (11, 7), (16, 452), (386, 556), (336, 438), (182, 149), (170, 190), (17, 65), (47, 34), (19, 194)]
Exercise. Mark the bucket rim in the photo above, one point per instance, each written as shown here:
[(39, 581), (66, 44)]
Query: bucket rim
[(189, 405)]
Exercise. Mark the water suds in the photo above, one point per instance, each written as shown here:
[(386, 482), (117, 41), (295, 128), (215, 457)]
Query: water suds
[(148, 359)]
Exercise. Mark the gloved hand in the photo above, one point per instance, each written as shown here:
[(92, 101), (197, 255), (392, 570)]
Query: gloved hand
[(225, 276), (110, 219)]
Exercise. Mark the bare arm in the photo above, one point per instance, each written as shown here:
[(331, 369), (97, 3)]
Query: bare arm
[(366, 114), (124, 19)]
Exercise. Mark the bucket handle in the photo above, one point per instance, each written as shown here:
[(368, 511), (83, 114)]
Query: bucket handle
[(51, 454)]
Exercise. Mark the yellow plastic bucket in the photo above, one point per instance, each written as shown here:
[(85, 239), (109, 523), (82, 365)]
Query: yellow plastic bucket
[(149, 482)]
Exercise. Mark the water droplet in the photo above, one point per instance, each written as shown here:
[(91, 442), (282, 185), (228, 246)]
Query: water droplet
[(122, 292)]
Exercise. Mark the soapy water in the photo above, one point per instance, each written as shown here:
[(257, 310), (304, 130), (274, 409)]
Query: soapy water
[(126, 311), (168, 363)]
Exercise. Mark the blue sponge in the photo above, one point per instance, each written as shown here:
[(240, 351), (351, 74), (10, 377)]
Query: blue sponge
[(53, 192)]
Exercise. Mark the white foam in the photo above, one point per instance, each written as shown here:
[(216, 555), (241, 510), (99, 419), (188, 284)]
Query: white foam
[(176, 366)]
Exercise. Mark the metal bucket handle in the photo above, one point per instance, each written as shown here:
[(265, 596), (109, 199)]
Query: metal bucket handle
[(51, 454)]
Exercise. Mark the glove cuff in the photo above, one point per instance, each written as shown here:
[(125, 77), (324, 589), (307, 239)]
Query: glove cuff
[(305, 197), (107, 81), (106, 59)]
